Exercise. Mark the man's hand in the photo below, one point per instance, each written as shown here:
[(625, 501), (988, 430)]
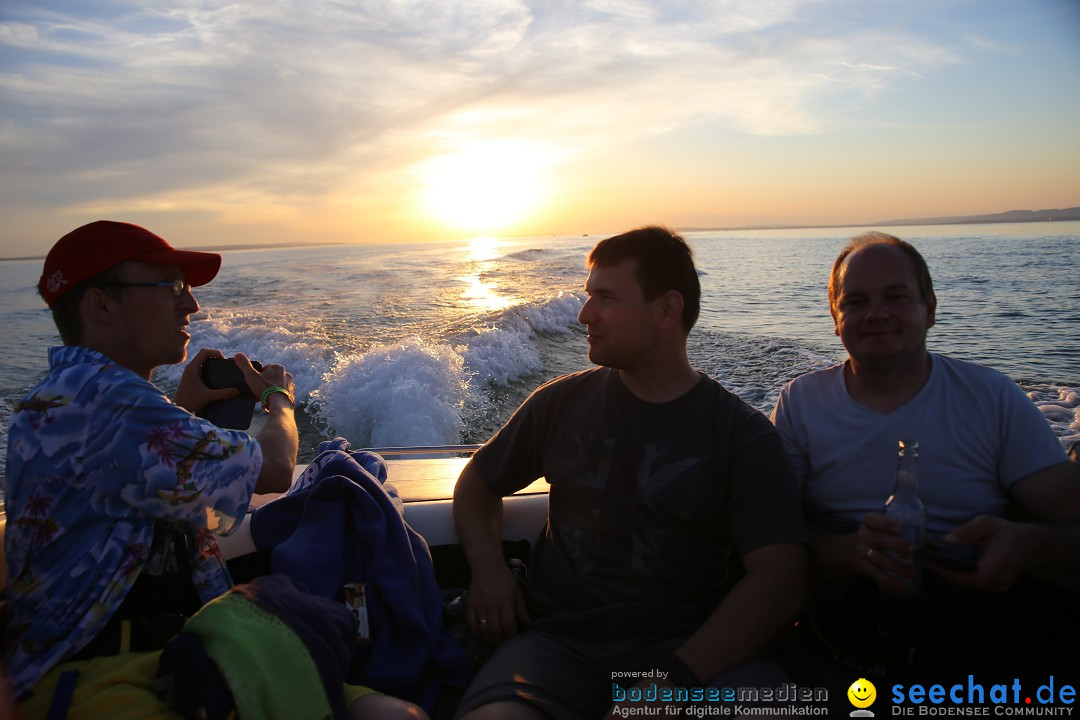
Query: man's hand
[(496, 605), (496, 601), (278, 438), (1007, 552), (877, 537), (269, 376), (192, 393)]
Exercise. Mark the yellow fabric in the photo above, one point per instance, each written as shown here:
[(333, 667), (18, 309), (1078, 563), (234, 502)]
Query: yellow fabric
[(109, 687), (125, 636), (115, 686)]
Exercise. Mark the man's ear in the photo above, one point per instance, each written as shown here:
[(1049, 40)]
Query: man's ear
[(931, 311), (96, 306), (671, 309)]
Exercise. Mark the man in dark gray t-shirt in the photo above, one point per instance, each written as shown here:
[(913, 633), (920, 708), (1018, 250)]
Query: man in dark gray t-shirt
[(675, 540)]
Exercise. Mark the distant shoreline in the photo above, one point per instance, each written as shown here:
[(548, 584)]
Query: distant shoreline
[(1013, 216), (890, 223)]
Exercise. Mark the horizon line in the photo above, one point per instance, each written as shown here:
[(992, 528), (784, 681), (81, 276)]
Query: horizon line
[(1071, 215)]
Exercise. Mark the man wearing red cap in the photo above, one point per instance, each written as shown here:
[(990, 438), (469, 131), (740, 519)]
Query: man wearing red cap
[(114, 492)]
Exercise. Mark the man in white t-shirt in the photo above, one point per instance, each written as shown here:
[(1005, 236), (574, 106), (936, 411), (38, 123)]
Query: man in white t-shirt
[(996, 483)]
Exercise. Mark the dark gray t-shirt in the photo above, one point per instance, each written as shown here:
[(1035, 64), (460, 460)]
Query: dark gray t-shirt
[(652, 505)]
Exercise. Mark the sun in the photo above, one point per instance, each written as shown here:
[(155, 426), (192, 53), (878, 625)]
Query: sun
[(485, 187)]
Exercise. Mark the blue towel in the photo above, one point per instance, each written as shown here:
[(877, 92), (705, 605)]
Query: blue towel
[(339, 524)]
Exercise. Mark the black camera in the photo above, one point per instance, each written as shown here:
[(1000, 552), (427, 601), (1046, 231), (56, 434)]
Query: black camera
[(235, 412)]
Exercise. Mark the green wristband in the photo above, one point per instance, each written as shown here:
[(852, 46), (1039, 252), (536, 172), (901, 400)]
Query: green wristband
[(275, 389)]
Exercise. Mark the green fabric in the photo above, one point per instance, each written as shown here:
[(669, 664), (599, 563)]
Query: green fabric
[(268, 669)]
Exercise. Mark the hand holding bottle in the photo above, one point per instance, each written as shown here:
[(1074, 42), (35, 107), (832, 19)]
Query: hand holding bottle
[(878, 545), (886, 544)]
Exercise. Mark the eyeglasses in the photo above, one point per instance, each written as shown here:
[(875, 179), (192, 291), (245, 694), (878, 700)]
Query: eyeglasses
[(177, 287)]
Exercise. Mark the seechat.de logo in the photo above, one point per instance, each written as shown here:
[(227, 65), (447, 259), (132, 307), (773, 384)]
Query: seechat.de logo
[(973, 698)]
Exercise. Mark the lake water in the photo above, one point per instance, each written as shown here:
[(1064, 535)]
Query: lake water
[(419, 344)]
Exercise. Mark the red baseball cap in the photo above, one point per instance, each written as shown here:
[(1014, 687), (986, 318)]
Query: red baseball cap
[(98, 246)]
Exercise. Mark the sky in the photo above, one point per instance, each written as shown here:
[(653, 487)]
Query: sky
[(234, 122)]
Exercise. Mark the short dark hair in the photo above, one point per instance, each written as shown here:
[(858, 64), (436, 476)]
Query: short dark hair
[(65, 309), (922, 272), (665, 263)]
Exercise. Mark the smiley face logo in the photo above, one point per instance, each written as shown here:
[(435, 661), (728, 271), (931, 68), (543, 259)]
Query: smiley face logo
[(862, 693)]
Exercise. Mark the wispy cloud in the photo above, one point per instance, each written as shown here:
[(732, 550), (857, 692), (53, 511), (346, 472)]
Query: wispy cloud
[(189, 103)]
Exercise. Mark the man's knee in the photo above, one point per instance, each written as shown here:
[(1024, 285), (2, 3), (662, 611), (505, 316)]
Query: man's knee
[(506, 710), (385, 707)]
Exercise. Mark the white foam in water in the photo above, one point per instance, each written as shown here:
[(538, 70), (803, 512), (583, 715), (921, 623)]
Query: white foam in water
[(505, 352), (415, 392), (232, 333), (557, 315), (500, 355), (1061, 407), (411, 393)]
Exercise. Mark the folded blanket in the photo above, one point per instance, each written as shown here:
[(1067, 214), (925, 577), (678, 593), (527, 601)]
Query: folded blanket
[(340, 524)]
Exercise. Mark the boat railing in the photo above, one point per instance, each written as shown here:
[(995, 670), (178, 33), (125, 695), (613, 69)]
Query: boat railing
[(406, 451)]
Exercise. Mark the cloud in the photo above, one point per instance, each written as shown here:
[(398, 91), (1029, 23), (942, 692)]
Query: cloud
[(988, 45), (194, 103)]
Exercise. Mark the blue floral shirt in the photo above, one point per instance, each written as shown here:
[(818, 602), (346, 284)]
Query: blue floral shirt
[(96, 454)]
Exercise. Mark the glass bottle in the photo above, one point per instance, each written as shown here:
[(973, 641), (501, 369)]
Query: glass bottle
[(906, 509)]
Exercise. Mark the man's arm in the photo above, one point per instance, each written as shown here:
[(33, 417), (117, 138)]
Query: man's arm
[(278, 438), (753, 614), (781, 420), (1044, 544), (279, 441), (496, 603)]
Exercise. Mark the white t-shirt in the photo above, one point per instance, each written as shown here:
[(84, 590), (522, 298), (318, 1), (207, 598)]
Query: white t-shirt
[(978, 433)]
